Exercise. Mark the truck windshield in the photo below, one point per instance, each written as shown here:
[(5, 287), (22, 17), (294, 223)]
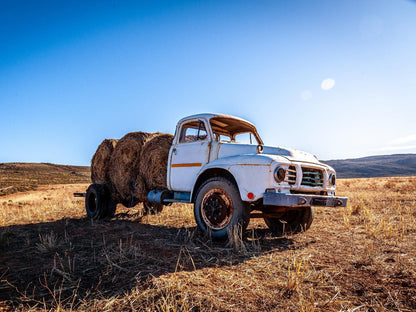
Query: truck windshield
[(231, 130)]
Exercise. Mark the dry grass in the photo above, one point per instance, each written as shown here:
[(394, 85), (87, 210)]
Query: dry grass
[(358, 258), (46, 204)]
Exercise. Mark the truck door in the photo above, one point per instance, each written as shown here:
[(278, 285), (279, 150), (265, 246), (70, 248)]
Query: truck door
[(189, 152)]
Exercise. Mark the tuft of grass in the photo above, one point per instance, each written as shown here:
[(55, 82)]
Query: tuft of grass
[(48, 242), (235, 239)]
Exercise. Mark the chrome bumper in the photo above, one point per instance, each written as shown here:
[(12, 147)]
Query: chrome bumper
[(301, 200)]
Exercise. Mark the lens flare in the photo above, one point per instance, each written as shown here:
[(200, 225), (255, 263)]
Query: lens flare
[(327, 84)]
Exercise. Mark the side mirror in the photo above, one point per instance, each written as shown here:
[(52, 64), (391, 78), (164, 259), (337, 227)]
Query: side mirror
[(259, 149)]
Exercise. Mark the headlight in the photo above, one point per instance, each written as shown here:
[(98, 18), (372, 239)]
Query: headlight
[(279, 174), (332, 178)]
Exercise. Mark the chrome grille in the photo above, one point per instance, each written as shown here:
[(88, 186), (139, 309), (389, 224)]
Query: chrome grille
[(291, 175), (312, 177)]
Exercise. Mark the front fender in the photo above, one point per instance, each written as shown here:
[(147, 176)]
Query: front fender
[(252, 179), (252, 173)]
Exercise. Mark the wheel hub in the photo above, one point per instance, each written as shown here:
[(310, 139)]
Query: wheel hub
[(217, 209)]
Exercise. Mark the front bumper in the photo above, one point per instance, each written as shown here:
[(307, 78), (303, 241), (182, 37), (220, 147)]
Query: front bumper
[(302, 200)]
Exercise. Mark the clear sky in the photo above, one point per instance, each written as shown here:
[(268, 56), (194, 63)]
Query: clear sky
[(334, 78)]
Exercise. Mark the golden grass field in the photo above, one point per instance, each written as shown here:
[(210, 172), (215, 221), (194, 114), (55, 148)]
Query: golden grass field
[(358, 258)]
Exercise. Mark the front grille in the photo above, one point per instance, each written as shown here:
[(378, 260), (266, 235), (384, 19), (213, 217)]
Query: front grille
[(291, 175), (312, 177)]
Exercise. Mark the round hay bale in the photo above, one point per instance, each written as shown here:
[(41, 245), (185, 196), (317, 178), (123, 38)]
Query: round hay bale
[(140, 190), (101, 160), (124, 164), (153, 164)]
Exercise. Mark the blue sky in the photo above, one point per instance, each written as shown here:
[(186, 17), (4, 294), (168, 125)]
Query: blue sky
[(75, 72)]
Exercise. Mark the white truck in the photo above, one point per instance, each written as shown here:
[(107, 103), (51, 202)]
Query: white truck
[(219, 163)]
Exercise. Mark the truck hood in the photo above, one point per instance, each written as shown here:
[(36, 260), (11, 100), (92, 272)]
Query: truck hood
[(291, 154), (228, 149)]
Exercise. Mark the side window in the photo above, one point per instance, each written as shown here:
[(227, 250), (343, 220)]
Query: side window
[(223, 138), (245, 138), (192, 132)]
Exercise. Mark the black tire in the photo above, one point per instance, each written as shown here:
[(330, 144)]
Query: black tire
[(152, 208), (218, 208), (98, 203), (292, 222)]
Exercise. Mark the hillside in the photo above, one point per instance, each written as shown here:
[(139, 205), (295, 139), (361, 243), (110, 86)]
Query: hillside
[(18, 177), (375, 166)]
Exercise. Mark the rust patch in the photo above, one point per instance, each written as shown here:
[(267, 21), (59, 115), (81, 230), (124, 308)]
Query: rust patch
[(186, 165)]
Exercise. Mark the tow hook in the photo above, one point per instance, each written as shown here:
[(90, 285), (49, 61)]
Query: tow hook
[(301, 201)]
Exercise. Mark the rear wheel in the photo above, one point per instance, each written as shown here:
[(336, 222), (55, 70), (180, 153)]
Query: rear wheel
[(218, 208), (292, 222), (98, 203)]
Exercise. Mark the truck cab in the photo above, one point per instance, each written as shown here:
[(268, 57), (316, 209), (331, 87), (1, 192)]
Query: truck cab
[(220, 164)]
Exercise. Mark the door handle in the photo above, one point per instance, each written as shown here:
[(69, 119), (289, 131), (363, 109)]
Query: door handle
[(174, 150)]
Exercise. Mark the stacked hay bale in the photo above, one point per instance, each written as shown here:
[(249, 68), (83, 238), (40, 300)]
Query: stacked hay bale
[(153, 164), (132, 166), (100, 162), (124, 166)]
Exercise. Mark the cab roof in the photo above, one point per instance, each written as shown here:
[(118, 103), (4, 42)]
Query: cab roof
[(208, 116), (234, 125)]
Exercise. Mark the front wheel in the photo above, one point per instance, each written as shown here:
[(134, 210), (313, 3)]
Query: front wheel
[(218, 208), (292, 222)]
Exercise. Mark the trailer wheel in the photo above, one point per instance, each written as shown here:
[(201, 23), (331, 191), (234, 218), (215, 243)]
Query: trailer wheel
[(292, 222), (218, 208), (98, 203)]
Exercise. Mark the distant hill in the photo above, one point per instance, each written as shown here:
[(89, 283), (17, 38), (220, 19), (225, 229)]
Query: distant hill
[(375, 166), (18, 177)]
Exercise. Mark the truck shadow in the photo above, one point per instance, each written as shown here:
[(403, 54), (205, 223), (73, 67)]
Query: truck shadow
[(107, 258)]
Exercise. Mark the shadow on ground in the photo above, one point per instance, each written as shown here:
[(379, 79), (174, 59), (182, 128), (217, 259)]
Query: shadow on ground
[(39, 262)]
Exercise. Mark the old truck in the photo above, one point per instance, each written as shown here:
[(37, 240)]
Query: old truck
[(219, 164)]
